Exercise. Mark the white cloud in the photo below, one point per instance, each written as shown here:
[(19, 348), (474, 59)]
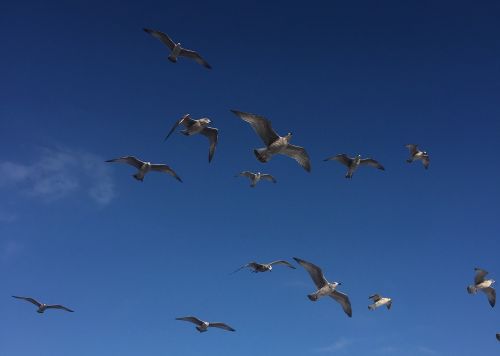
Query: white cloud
[(338, 345)]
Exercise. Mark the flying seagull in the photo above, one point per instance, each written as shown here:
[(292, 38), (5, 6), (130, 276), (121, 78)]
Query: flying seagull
[(145, 167), (379, 301), (325, 287), (482, 284), (203, 326), (256, 177), (275, 144), (198, 126), (176, 50), (353, 163), (41, 306), (416, 154), (264, 267)]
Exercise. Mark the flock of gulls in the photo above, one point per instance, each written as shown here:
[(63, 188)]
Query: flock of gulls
[(273, 144)]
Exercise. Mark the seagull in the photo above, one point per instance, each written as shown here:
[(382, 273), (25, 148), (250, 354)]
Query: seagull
[(145, 167), (353, 163), (482, 284), (325, 287), (379, 301), (256, 177), (176, 49), (264, 267), (41, 306), (416, 154), (203, 326), (198, 126), (275, 144), (498, 336)]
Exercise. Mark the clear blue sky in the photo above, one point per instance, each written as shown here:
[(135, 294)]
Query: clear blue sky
[(82, 83)]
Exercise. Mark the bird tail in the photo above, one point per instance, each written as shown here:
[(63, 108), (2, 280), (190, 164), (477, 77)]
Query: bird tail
[(261, 154), (172, 59), (312, 297), (409, 160), (200, 329), (371, 307), (472, 289), (138, 176)]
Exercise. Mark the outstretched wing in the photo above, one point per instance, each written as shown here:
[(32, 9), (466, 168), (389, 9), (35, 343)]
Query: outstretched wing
[(194, 55), (261, 126), (412, 148), (131, 160), (426, 161), (498, 337), (343, 299), (28, 299), (213, 135), (162, 37), (268, 177), (165, 169), (491, 294), (185, 120), (191, 319), (342, 158), (221, 326), (374, 297), (480, 274), (58, 306), (314, 271), (371, 162), (247, 174), (282, 262), (300, 155)]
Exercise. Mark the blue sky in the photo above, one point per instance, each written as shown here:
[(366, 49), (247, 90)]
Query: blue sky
[(82, 83)]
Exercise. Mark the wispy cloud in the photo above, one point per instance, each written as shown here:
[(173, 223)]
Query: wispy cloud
[(338, 345), (8, 250), (59, 173), (427, 351)]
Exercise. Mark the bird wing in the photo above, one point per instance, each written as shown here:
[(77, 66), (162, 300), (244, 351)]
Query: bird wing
[(480, 274), (314, 271), (191, 319), (213, 136), (374, 297), (133, 161), (283, 262), (185, 120), (498, 337), (28, 299), (261, 126), (342, 158), (165, 169), (300, 155), (371, 162), (343, 299), (162, 37), (221, 326), (244, 266), (425, 161), (58, 306), (389, 305), (194, 55), (247, 174), (268, 177), (412, 148), (491, 294)]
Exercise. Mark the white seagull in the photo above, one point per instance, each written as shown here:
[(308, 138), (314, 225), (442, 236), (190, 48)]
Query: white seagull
[(203, 326), (484, 285), (416, 154), (275, 144), (325, 287), (264, 267), (256, 177), (42, 306), (353, 163), (379, 301), (176, 49), (145, 167), (198, 126)]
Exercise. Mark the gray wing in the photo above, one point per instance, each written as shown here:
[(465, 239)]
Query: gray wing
[(185, 120), (28, 299), (412, 148), (389, 305), (247, 174), (314, 271), (58, 306), (425, 161), (213, 135), (343, 299), (221, 326), (342, 158), (191, 319), (371, 162), (498, 337), (282, 262), (162, 37), (244, 266), (133, 161), (491, 294), (375, 297), (300, 155), (261, 126), (194, 55), (480, 274), (268, 177), (165, 169)]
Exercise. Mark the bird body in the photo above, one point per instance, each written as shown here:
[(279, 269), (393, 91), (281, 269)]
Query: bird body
[(352, 164), (379, 301), (175, 53), (417, 155), (484, 285)]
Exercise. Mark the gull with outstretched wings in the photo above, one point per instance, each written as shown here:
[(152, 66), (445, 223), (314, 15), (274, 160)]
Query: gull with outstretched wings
[(203, 326), (42, 307), (484, 285), (256, 177), (145, 167), (264, 267), (416, 154), (379, 301), (353, 163)]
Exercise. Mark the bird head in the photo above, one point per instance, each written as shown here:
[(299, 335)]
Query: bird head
[(288, 136), (270, 268), (205, 121)]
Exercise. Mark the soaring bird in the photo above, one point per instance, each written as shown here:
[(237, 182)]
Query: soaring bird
[(176, 50), (275, 144), (256, 177), (198, 126), (379, 301), (145, 167), (203, 326), (353, 163), (416, 154), (484, 285), (264, 267), (42, 306), (325, 287)]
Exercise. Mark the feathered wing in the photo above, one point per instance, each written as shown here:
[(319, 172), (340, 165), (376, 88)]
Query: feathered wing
[(371, 162), (165, 169), (221, 326), (426, 161), (261, 126), (374, 297), (213, 135), (195, 55), (342, 158), (131, 160), (162, 37), (412, 148), (28, 299), (491, 294), (185, 120), (389, 305), (268, 177), (498, 336), (343, 299), (314, 271), (191, 319), (283, 262), (253, 265), (480, 275), (300, 155), (58, 306), (247, 174)]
